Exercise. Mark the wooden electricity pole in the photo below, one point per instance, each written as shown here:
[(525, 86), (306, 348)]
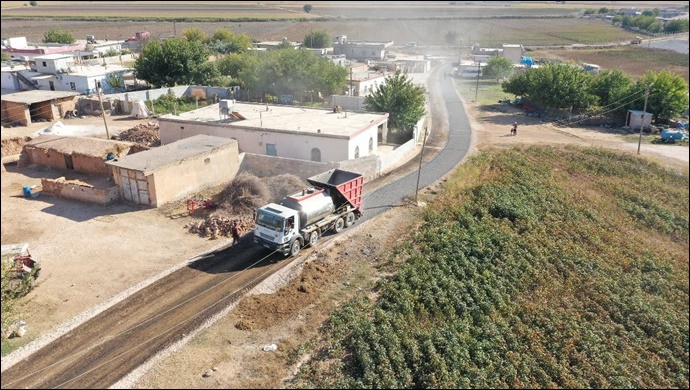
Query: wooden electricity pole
[(100, 100)]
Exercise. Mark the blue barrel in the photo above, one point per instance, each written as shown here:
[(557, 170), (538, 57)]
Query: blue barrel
[(27, 191)]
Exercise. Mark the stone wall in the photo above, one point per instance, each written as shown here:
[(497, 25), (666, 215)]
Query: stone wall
[(85, 193)]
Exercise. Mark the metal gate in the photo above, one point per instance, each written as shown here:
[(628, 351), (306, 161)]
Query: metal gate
[(135, 187)]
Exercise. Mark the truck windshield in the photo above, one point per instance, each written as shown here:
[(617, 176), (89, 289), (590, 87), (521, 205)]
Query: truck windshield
[(268, 220)]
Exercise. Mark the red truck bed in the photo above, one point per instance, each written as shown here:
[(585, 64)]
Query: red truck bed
[(343, 186)]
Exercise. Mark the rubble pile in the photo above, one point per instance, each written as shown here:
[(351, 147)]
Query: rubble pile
[(219, 224), (145, 134)]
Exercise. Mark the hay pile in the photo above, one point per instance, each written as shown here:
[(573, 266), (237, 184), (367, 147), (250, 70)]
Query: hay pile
[(146, 134), (240, 198)]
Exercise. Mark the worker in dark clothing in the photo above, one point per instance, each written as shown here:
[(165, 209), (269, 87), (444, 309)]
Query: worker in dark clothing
[(235, 233)]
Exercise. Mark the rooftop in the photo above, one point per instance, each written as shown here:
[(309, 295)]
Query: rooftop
[(35, 96), (56, 56), (86, 146), (293, 119), (153, 159)]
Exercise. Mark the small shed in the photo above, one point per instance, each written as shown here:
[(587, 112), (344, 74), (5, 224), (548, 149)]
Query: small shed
[(82, 154), (637, 118), (171, 172), (26, 107)]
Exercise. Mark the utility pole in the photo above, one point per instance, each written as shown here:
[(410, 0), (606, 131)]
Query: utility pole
[(100, 100), (479, 71), (421, 157), (644, 111), (350, 80)]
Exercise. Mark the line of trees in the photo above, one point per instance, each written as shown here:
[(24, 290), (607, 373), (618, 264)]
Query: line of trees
[(611, 93)]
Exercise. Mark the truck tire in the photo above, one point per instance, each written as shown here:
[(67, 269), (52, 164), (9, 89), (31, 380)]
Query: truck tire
[(313, 238), (339, 225), (349, 219), (295, 248)]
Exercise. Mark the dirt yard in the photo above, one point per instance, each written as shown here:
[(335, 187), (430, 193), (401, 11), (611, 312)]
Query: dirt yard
[(92, 254)]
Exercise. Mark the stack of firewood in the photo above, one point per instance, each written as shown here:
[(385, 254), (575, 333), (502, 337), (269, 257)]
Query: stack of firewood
[(218, 225), (145, 134)]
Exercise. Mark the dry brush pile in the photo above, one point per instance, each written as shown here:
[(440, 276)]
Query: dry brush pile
[(240, 198), (145, 134)]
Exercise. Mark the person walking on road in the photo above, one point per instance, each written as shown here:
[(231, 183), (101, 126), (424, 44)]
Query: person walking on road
[(513, 130), (235, 233)]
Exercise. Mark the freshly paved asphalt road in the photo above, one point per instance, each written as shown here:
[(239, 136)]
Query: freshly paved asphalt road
[(449, 144)]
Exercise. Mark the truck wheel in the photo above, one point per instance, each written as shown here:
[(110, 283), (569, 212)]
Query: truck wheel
[(349, 219), (339, 225), (313, 238), (295, 247)]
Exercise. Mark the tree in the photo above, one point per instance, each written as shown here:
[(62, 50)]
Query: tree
[(307, 8), (403, 100), (56, 35), (498, 67), (6, 57), (294, 72), (175, 61), (668, 96), (225, 42), (676, 26), (33, 3), (554, 86), (613, 88), (603, 10), (195, 35), (318, 39), (222, 34)]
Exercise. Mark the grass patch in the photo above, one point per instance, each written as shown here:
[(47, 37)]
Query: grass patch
[(489, 91), (536, 267)]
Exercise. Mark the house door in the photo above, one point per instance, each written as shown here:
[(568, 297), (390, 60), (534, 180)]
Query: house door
[(271, 150), (134, 187), (52, 85), (68, 162)]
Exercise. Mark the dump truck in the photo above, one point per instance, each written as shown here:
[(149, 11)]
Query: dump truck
[(332, 202)]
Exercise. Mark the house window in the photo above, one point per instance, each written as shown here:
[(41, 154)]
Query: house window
[(316, 155), (371, 144), (73, 86), (52, 85), (44, 64), (356, 151)]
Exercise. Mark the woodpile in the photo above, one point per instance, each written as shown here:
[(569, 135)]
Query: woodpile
[(219, 224), (145, 134), (239, 199)]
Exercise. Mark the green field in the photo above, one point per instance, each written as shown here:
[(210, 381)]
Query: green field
[(537, 267)]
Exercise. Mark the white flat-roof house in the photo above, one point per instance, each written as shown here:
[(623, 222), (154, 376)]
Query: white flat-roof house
[(59, 72), (360, 50), (283, 131)]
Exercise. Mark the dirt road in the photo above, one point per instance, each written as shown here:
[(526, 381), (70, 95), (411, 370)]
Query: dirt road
[(109, 346)]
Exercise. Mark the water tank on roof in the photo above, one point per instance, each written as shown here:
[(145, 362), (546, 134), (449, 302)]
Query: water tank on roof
[(225, 106)]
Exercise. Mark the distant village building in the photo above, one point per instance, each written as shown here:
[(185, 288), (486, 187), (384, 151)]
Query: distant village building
[(61, 72), (360, 50), (283, 131)]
